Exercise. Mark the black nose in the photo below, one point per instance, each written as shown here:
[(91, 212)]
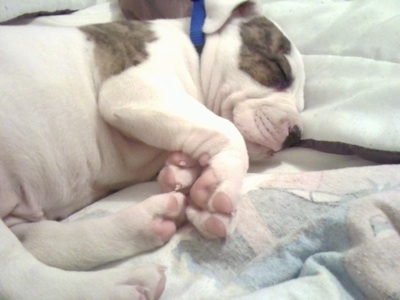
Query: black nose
[(293, 137)]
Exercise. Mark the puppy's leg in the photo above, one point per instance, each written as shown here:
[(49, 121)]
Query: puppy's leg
[(168, 118), (86, 244), (23, 277)]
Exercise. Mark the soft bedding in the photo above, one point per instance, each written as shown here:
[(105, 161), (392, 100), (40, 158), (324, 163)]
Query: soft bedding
[(317, 221), (305, 235)]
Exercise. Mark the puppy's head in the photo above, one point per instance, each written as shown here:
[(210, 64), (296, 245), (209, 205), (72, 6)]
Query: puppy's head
[(252, 75)]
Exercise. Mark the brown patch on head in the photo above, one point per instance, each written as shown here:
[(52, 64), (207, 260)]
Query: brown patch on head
[(119, 45), (263, 51)]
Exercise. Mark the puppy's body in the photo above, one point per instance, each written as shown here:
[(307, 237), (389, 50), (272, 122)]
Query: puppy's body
[(86, 111), (71, 157)]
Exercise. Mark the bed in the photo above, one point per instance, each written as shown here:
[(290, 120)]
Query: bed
[(320, 220)]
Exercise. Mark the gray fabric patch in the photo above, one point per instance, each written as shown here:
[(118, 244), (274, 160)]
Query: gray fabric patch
[(297, 212), (203, 255), (119, 45), (263, 51)]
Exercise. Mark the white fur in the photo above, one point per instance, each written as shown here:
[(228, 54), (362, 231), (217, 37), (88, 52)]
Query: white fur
[(67, 139)]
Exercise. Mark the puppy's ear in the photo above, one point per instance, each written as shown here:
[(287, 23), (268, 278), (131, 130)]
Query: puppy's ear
[(219, 11)]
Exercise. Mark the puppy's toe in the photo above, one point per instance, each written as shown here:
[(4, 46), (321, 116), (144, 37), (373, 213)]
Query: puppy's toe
[(211, 225), (213, 195), (152, 222), (151, 280), (166, 207), (175, 178), (180, 159), (179, 173), (203, 188), (142, 282), (169, 216)]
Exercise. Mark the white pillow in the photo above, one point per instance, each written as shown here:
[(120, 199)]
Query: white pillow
[(352, 60), (11, 9)]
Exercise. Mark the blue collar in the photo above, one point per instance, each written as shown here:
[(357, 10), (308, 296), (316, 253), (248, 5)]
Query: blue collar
[(196, 25)]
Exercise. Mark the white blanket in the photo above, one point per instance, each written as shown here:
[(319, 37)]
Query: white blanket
[(352, 61)]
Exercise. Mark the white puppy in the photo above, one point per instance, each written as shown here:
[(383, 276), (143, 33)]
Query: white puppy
[(87, 111)]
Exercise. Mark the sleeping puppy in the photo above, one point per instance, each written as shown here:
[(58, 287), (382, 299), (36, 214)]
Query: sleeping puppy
[(90, 110)]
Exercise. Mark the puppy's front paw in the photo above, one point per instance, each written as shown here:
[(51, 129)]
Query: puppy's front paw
[(214, 198), (213, 185)]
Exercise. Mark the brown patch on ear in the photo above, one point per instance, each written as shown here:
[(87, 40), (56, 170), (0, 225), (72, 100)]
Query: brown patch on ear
[(263, 51), (119, 45)]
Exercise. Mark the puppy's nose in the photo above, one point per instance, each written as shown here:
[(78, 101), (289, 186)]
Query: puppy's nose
[(293, 137)]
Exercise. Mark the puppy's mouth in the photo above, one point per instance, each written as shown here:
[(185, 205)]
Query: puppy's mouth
[(268, 128), (258, 151)]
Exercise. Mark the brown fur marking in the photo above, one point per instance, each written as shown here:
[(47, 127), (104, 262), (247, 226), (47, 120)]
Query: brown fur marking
[(262, 53), (119, 45)]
